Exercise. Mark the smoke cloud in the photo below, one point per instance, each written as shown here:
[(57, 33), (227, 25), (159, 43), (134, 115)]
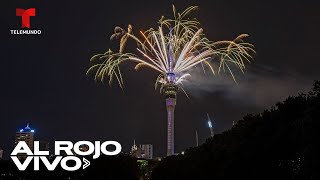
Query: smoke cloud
[(260, 86)]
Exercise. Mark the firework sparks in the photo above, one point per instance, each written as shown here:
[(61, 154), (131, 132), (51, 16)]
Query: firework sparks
[(176, 46), (172, 50)]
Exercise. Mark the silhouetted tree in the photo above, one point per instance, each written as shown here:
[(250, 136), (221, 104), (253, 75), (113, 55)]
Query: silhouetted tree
[(275, 144)]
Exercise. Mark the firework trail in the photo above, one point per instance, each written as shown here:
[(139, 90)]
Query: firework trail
[(171, 49)]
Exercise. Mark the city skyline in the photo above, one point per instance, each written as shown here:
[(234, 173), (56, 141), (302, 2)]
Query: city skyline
[(44, 79)]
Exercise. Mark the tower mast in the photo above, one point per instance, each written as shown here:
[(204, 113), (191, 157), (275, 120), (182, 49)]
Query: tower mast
[(170, 89), (210, 126)]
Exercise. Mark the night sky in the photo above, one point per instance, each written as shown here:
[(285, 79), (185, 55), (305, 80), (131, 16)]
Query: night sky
[(44, 82)]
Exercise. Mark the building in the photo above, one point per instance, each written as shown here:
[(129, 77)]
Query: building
[(135, 150), (144, 151), (1, 153), (148, 151), (26, 134)]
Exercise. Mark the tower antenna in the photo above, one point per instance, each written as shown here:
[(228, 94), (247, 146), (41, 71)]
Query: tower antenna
[(210, 126)]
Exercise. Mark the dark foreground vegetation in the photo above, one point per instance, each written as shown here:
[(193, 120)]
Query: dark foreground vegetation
[(275, 144)]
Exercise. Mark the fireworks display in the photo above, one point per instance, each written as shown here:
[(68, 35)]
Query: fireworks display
[(172, 49)]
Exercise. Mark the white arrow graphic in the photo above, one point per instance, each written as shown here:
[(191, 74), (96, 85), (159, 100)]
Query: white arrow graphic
[(86, 163)]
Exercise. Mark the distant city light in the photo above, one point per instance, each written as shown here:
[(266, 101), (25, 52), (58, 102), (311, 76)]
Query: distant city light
[(27, 129)]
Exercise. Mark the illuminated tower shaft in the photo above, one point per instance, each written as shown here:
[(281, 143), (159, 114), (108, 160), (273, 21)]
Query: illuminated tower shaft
[(170, 92), (170, 104)]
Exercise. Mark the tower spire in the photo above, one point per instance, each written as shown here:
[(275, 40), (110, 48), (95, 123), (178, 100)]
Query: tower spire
[(134, 146), (170, 53)]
